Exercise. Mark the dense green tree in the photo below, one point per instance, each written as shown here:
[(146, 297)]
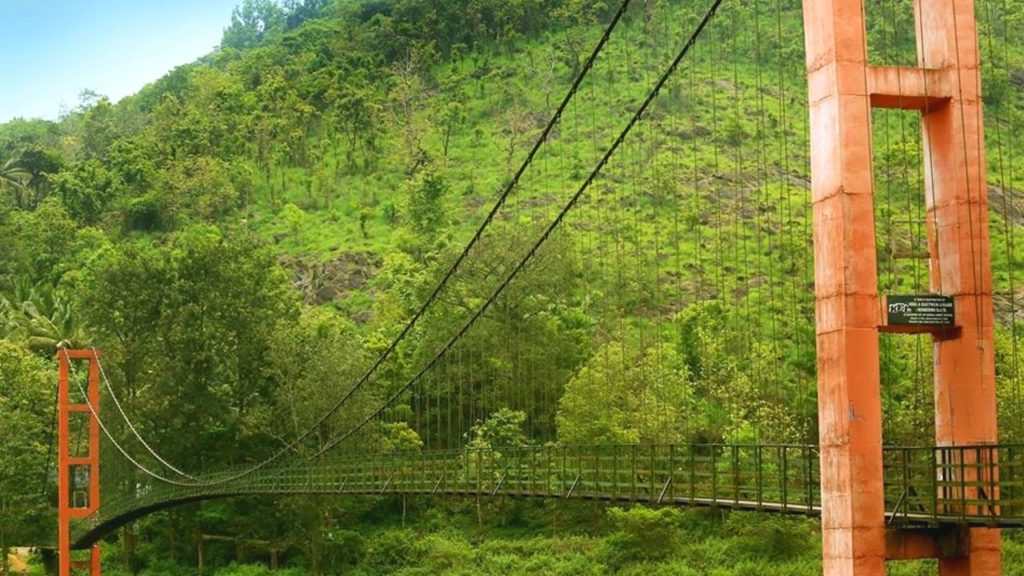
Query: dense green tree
[(578, 18), (252, 22), (196, 318), (311, 357), (616, 398), (85, 189), (38, 245), (503, 428), (202, 188), (26, 402), (358, 114), (740, 385), (300, 11), (37, 165), (531, 339), (599, 401), (20, 134), (425, 213), (98, 129)]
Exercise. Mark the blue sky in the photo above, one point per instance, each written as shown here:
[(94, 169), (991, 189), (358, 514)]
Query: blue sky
[(51, 50)]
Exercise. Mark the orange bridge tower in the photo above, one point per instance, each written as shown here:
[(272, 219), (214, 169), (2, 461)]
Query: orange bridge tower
[(78, 472), (945, 87)]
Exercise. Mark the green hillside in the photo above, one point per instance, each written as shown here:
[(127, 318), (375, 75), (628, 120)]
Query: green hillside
[(245, 236)]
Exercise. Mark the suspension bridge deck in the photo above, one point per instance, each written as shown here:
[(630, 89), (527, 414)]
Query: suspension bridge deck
[(925, 486)]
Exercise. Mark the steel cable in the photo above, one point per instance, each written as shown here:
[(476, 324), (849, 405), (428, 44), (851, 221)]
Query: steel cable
[(547, 232), (128, 421), (435, 294)]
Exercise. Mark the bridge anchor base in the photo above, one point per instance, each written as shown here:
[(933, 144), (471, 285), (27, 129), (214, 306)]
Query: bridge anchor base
[(92, 564), (961, 550), (921, 543)]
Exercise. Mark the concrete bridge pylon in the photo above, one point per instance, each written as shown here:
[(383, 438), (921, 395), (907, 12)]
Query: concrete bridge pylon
[(945, 88)]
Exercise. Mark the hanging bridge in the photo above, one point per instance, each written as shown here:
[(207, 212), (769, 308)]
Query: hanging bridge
[(669, 224), (925, 487)]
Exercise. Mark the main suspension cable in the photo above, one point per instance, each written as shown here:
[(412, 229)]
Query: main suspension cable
[(114, 441), (543, 238), (128, 421), (435, 294)]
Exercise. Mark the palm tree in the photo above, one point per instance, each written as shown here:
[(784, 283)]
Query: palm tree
[(8, 324), (40, 316), (14, 179)]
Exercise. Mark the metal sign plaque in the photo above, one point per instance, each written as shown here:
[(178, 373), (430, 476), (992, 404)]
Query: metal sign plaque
[(920, 310)]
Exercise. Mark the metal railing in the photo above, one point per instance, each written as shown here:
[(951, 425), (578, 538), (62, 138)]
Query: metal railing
[(977, 485), (963, 484)]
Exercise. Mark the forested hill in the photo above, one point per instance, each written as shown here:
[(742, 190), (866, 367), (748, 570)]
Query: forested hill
[(299, 132), (243, 236)]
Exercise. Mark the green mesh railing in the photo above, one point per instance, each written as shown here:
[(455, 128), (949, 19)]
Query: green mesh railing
[(977, 485)]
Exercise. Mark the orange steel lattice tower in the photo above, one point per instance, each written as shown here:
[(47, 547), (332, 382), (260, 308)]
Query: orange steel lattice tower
[(72, 503), (945, 87)]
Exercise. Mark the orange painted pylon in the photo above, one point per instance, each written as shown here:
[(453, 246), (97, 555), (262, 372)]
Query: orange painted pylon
[(945, 88), (69, 506)]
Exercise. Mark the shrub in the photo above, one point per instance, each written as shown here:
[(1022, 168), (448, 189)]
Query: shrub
[(147, 213), (390, 551), (769, 537), (347, 547), (234, 569), (164, 567), (641, 535), (445, 553), (561, 565), (500, 563), (663, 569)]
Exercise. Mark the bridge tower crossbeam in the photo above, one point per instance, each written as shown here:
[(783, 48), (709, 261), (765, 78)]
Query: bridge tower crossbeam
[(945, 87), (71, 503)]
